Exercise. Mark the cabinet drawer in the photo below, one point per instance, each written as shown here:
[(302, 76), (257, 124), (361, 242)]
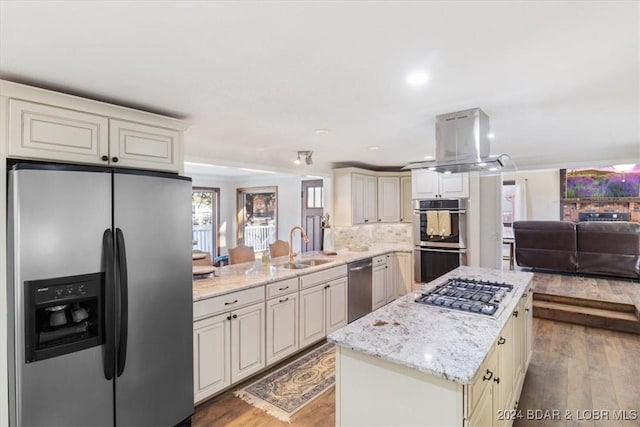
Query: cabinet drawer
[(47, 132), (379, 260), (323, 276), (282, 287), (488, 370), (227, 302)]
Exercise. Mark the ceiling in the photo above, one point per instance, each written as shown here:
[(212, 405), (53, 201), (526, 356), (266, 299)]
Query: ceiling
[(560, 80)]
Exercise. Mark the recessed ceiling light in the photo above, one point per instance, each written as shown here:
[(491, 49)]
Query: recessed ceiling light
[(428, 157), (491, 135), (417, 79), (375, 147), (321, 131), (297, 161)]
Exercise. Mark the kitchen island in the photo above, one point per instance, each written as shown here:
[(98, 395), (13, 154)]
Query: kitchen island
[(413, 364)]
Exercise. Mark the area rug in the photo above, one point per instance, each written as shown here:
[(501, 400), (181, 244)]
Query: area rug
[(285, 391)]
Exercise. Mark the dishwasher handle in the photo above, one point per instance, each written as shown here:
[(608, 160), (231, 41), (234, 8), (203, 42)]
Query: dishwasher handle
[(362, 267)]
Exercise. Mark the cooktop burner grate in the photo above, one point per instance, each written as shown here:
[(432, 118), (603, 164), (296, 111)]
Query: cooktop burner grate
[(470, 295)]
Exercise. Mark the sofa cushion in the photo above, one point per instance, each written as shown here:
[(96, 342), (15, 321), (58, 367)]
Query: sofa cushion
[(610, 248), (546, 244)]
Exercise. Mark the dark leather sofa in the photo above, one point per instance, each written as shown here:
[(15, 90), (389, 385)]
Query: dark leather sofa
[(601, 248)]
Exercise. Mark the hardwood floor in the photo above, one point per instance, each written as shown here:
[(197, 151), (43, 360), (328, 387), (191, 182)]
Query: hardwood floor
[(579, 370)]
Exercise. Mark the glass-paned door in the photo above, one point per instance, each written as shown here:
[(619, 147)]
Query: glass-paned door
[(312, 210), (257, 217), (205, 212)]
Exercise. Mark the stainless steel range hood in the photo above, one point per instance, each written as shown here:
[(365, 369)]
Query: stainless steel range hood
[(462, 145)]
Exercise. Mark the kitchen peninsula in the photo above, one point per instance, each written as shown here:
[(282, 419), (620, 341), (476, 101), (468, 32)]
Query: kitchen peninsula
[(414, 364)]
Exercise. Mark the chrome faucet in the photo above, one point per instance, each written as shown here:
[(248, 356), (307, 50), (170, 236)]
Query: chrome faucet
[(292, 254)]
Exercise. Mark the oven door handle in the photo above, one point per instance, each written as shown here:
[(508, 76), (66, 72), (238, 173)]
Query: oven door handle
[(457, 211), (453, 251)]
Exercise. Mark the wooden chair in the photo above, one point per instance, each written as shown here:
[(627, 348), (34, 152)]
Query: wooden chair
[(202, 261), (241, 253), (279, 248)]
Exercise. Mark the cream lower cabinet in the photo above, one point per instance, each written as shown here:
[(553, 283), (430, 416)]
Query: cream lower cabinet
[(379, 283), (323, 309), (247, 341), (282, 327), (212, 355)]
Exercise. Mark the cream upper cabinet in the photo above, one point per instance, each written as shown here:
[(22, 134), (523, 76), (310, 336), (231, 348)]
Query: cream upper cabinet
[(363, 197), (426, 184), (406, 208), (388, 199), (46, 132), (137, 145), (46, 125)]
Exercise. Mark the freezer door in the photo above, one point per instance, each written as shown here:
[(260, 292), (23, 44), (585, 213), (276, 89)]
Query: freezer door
[(56, 221), (152, 216)]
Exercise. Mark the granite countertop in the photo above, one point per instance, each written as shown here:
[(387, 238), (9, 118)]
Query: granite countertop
[(446, 343), (231, 278)]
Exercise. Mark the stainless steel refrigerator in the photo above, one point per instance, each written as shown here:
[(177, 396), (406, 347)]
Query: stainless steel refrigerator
[(100, 297)]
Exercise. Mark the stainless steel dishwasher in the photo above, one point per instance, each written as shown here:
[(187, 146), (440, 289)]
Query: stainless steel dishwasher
[(360, 289)]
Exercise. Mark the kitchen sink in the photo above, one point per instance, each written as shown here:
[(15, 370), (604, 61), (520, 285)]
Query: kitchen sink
[(312, 262), (294, 265)]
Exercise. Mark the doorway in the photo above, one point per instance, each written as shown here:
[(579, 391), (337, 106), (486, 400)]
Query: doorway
[(312, 211)]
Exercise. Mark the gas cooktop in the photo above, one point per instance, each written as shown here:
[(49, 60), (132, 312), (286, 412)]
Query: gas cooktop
[(470, 295)]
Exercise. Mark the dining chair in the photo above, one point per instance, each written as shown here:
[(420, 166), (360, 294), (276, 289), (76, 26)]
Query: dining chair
[(279, 248), (241, 253)]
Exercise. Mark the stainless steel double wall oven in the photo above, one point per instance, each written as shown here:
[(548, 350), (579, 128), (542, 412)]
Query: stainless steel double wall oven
[(439, 232)]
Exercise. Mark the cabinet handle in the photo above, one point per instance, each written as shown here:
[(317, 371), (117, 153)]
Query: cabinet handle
[(282, 289), (497, 380), (327, 287), (283, 300), (105, 158), (515, 313), (229, 317), (487, 376), (526, 309), (501, 341), (232, 302), (114, 159), (235, 316), (366, 220)]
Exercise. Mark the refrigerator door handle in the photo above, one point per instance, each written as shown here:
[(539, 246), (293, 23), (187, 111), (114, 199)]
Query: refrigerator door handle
[(124, 300), (109, 311)]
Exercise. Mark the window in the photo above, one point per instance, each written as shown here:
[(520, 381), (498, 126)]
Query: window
[(257, 217), (205, 211)]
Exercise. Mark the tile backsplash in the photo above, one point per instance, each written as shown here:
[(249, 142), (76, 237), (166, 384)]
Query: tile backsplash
[(372, 233)]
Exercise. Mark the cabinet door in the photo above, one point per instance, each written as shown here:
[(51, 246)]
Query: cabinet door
[(312, 315), (424, 184), (506, 365), (358, 198), (404, 272), (247, 341), (388, 199), (40, 131), (379, 294), (528, 328), (211, 356), (370, 199), (483, 415), (336, 298), (406, 210), (455, 185), (392, 278), (282, 327), (142, 146)]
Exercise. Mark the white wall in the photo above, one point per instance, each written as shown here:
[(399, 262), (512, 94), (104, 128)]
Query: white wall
[(543, 192)]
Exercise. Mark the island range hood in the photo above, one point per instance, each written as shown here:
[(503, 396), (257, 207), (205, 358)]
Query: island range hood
[(462, 145)]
